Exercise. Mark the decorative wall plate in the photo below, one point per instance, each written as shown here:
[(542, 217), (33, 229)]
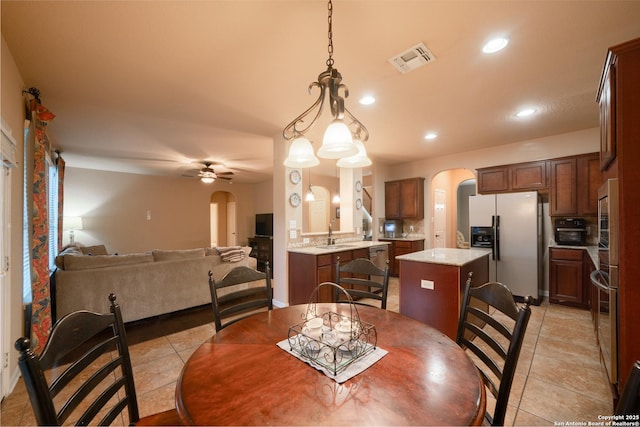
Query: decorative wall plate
[(358, 186), (295, 200), (295, 176), (358, 203)]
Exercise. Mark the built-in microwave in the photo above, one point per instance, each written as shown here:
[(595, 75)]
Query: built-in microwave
[(570, 231), (392, 228)]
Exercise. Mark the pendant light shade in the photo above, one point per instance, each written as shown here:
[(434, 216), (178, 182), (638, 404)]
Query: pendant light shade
[(301, 154), (310, 197), (360, 160), (337, 142)]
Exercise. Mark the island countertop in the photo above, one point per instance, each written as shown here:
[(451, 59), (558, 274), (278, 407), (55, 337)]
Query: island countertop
[(445, 256)]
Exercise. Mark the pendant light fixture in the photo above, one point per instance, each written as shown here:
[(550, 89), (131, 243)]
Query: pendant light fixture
[(310, 197), (336, 198), (338, 140)]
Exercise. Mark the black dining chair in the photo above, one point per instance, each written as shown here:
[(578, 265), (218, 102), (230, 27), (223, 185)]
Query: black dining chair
[(84, 373), (363, 280), (492, 328), (234, 297), (629, 403)]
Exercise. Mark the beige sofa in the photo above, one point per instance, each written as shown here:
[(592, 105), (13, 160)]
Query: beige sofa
[(146, 284)]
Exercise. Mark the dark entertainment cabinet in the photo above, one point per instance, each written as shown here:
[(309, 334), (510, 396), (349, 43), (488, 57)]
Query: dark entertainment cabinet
[(262, 250)]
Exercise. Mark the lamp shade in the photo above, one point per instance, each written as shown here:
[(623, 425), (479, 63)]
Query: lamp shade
[(337, 142), (301, 154), (359, 160), (72, 223)]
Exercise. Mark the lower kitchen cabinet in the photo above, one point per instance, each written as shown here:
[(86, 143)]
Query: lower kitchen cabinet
[(401, 247), (307, 271), (568, 277)]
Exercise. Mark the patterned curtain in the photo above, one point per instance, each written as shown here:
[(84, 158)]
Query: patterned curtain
[(41, 297), (60, 164)]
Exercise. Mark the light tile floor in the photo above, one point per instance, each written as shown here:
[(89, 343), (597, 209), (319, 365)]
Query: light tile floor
[(559, 376)]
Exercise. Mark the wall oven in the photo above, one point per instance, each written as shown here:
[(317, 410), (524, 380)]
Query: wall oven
[(605, 279)]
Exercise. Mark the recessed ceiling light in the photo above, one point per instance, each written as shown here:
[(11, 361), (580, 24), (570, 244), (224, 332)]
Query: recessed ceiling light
[(431, 135), (526, 112), (495, 45), (367, 100)]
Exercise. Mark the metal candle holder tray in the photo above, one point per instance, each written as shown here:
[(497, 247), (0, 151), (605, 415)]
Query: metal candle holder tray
[(332, 340)]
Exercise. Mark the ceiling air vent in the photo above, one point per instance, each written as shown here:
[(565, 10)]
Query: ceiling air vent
[(412, 58)]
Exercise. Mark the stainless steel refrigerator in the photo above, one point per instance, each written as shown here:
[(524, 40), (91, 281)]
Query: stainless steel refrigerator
[(510, 224)]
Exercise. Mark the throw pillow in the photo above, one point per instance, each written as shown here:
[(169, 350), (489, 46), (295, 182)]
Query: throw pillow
[(94, 250), (231, 253)]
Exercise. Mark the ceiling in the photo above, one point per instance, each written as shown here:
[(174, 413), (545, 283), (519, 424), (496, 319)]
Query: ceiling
[(150, 86)]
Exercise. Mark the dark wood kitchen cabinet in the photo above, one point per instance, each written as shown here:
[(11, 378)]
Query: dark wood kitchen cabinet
[(307, 271), (529, 176), (404, 199), (401, 247), (567, 284), (574, 185)]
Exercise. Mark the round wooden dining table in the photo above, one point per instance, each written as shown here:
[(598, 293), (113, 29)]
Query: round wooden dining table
[(241, 377)]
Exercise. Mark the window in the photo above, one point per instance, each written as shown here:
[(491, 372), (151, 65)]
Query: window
[(52, 201), (26, 254)]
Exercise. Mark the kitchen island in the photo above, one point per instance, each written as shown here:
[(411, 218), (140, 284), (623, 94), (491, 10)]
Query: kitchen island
[(432, 284)]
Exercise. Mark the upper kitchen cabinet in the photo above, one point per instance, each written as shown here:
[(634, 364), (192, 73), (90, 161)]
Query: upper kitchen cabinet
[(529, 176), (574, 185), (607, 101), (404, 199)]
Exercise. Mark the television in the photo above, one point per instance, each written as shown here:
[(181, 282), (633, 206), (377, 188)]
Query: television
[(264, 224)]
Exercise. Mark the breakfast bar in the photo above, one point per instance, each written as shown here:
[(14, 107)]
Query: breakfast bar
[(432, 284)]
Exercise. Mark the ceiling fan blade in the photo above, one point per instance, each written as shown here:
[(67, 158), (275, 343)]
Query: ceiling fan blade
[(224, 173)]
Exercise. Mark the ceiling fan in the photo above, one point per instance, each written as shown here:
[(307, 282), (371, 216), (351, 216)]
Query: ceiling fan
[(208, 175)]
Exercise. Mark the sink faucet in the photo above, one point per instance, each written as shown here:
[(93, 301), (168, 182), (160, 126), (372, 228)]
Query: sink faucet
[(330, 241)]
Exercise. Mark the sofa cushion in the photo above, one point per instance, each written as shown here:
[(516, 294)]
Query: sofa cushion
[(79, 262), (94, 250), (166, 255), (232, 253)]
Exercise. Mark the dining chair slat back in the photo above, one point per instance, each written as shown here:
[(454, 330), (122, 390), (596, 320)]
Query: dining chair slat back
[(492, 327), (84, 373), (363, 280), (239, 293)]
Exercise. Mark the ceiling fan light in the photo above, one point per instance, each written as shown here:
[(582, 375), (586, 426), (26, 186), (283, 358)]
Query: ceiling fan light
[(359, 160), (301, 154), (207, 179), (337, 141)]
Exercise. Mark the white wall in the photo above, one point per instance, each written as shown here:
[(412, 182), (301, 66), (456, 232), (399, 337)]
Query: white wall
[(114, 207)]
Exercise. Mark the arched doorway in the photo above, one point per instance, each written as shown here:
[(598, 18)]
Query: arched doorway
[(445, 206), (222, 217)]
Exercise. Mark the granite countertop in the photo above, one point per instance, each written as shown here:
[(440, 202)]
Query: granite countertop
[(338, 247), (408, 238), (592, 250), (446, 256)]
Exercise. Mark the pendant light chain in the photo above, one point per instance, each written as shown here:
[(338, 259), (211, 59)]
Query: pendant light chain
[(330, 35)]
